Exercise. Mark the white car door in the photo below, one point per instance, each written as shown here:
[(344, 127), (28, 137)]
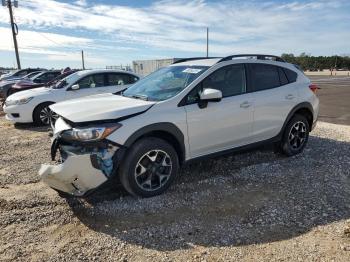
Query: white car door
[(274, 97), (89, 85), (220, 125)]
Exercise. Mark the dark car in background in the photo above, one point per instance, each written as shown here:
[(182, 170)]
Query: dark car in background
[(19, 73), (5, 85), (44, 79)]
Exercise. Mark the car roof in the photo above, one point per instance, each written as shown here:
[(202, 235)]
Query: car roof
[(212, 61), (200, 62), (95, 71)]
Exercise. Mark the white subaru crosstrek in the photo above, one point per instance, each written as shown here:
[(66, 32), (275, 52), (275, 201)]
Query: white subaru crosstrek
[(33, 105), (194, 108)]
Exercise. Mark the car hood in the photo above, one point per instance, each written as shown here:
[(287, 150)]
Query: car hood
[(25, 83), (100, 107), (30, 93)]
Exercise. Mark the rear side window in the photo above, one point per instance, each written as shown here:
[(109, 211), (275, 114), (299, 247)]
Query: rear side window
[(264, 77), (115, 79), (91, 81), (291, 75), (283, 78)]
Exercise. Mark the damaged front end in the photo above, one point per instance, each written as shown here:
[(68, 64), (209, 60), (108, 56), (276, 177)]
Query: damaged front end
[(85, 159)]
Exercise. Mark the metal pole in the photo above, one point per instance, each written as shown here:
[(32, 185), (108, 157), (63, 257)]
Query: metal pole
[(9, 4), (207, 41), (82, 59)]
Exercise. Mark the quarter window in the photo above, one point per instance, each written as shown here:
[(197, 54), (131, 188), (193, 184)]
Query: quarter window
[(91, 81), (264, 77), (291, 75), (283, 78)]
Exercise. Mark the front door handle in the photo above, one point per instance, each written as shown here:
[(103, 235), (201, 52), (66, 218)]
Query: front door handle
[(289, 96), (245, 104)]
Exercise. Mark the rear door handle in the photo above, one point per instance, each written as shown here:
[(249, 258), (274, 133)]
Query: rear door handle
[(289, 96), (245, 104)]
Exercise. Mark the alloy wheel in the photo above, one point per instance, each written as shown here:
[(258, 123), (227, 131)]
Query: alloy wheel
[(297, 135), (46, 115), (153, 170)]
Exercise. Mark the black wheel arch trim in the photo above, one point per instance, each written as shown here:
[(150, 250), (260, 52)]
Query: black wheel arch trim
[(303, 105), (167, 127)]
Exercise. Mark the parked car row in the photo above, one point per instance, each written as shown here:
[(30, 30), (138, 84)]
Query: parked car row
[(33, 105), (143, 130), (19, 73), (32, 80)]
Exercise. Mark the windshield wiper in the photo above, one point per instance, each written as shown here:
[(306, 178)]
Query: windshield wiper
[(139, 96)]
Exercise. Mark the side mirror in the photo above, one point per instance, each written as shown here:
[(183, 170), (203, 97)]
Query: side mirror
[(75, 87), (209, 95)]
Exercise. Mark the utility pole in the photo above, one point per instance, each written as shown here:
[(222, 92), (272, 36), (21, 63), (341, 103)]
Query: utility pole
[(9, 4), (207, 41), (82, 59)]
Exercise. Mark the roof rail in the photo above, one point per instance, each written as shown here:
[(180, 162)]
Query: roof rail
[(257, 56), (192, 58)]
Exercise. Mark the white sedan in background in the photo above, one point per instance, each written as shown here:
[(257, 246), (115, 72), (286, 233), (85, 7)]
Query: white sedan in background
[(33, 105)]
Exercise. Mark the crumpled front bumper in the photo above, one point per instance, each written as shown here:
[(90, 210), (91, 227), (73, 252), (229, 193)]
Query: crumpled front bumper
[(82, 166), (75, 176)]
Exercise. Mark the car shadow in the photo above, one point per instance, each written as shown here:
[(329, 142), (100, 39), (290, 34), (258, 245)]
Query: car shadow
[(251, 198), (31, 127)]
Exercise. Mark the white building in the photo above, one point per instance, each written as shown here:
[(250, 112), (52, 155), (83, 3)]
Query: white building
[(145, 67)]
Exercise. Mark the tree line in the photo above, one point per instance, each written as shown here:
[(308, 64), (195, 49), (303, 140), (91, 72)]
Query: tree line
[(319, 63)]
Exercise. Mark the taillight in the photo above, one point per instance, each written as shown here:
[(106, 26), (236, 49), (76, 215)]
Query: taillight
[(313, 88)]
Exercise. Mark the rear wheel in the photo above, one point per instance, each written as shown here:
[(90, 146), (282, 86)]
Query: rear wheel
[(295, 136), (149, 167), (42, 114)]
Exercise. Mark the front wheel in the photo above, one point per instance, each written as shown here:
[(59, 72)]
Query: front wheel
[(295, 136), (42, 114), (149, 168)]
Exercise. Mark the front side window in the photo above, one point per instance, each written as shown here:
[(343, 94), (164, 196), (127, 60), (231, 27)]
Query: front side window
[(264, 77), (91, 81), (230, 80), (165, 83)]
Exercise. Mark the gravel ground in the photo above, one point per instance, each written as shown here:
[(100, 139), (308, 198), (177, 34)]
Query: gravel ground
[(256, 206)]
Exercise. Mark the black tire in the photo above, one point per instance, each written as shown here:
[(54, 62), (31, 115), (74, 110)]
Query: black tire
[(38, 113), (295, 136), (138, 156)]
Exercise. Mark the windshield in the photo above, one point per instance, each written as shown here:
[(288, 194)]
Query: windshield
[(164, 83), (60, 83)]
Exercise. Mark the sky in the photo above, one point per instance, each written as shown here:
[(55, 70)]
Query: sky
[(52, 33)]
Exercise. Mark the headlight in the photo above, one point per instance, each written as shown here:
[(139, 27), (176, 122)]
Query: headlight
[(18, 102), (89, 133)]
